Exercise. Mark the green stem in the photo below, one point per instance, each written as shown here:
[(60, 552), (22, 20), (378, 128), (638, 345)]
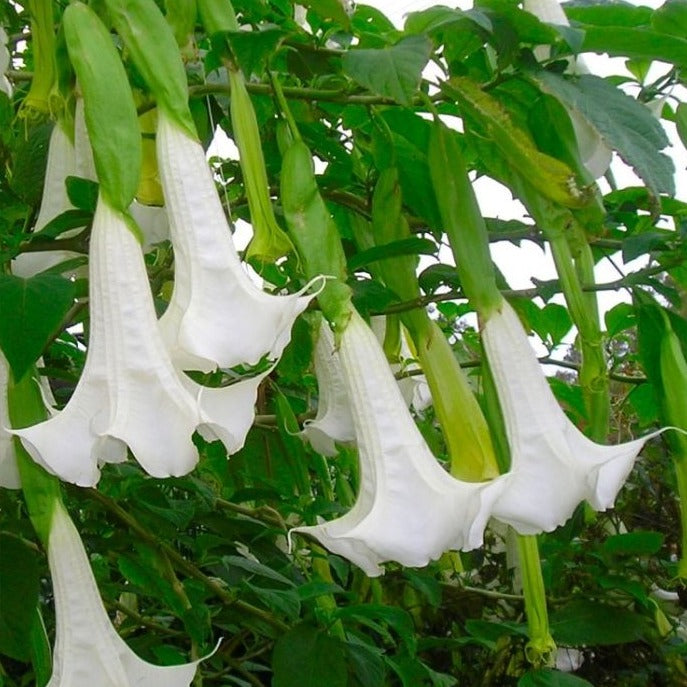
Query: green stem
[(540, 650)]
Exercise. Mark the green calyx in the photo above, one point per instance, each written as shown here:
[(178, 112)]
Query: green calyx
[(109, 107), (41, 490), (37, 103), (269, 240), (314, 233), (217, 15), (462, 423), (540, 649), (154, 50), (462, 221)]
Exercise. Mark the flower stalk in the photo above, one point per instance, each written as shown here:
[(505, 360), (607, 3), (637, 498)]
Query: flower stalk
[(540, 649)]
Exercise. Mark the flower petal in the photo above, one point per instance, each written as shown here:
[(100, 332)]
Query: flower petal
[(409, 509), (129, 393), (554, 467), (217, 317), (333, 421), (88, 650)]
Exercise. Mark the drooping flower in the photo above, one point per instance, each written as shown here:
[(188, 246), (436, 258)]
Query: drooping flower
[(333, 422), (216, 317), (88, 650), (55, 201), (554, 467), (129, 393), (409, 509)]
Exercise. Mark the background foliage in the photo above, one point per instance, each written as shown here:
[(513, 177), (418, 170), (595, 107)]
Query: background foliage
[(205, 556)]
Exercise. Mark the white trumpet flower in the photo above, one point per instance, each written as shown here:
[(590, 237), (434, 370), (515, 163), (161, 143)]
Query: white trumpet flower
[(88, 650), (9, 474), (333, 422), (409, 509), (554, 467), (216, 317), (55, 201), (129, 392)]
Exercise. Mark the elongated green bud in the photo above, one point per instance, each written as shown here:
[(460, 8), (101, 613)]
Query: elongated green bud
[(109, 107), (462, 423), (269, 240), (154, 50), (315, 233), (462, 220), (36, 104)]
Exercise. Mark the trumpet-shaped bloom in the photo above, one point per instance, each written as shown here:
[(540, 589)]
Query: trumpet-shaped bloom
[(409, 509), (60, 165), (9, 474), (333, 422), (216, 317), (88, 650), (129, 392), (554, 467)]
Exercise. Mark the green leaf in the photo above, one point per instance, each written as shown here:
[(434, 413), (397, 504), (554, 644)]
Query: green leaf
[(366, 665), (556, 320), (307, 657), (637, 43), (83, 193), (415, 245), (256, 568), (30, 158), (624, 124), (329, 9), (619, 318), (372, 614), (18, 597), (591, 623), (547, 677), (671, 18), (634, 543), (252, 49), (69, 219), (393, 72), (31, 310)]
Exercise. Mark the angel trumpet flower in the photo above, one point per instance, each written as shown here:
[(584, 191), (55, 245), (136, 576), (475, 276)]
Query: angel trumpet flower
[(216, 317), (88, 650), (129, 392), (5, 85), (409, 509), (554, 467), (333, 422)]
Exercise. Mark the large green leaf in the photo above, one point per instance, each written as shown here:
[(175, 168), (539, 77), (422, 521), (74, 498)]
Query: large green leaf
[(31, 310), (394, 71), (671, 18), (622, 122), (18, 596), (329, 9), (591, 623), (307, 657)]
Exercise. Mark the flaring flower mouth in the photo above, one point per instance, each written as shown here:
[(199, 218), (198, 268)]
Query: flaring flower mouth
[(554, 467), (88, 650), (409, 509), (216, 317), (129, 393)]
